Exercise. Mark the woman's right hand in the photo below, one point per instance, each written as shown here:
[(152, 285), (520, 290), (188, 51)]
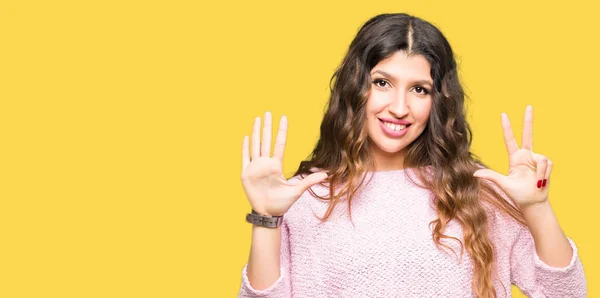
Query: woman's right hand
[(268, 191)]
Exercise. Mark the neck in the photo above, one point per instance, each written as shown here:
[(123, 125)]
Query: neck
[(385, 161)]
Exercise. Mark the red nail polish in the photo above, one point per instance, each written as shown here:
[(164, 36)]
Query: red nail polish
[(544, 182), (539, 184)]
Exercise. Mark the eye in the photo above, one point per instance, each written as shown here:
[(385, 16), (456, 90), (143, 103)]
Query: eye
[(381, 83), (421, 90)]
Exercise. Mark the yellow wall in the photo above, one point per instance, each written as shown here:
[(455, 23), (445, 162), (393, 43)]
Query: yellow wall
[(121, 125)]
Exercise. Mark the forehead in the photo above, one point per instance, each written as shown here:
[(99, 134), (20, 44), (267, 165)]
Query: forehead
[(401, 65)]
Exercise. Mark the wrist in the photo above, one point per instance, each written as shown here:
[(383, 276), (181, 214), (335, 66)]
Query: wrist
[(261, 212), (262, 220), (536, 211)]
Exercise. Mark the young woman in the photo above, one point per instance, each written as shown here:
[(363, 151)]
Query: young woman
[(392, 203)]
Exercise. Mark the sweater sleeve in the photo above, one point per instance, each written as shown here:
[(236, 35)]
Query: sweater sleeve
[(282, 287), (537, 279)]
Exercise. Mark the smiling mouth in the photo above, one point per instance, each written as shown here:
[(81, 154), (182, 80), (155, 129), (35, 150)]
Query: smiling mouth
[(395, 127)]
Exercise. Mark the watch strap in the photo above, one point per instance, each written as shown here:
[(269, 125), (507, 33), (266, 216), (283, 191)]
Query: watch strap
[(264, 221)]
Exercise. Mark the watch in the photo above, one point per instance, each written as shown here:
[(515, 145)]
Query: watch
[(258, 219)]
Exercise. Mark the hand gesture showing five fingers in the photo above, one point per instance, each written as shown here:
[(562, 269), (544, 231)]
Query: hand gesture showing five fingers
[(266, 188), (529, 172)]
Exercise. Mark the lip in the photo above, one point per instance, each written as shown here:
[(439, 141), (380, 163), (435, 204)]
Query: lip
[(395, 121), (393, 133)]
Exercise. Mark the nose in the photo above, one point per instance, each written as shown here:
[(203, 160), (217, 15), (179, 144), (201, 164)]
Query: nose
[(398, 105)]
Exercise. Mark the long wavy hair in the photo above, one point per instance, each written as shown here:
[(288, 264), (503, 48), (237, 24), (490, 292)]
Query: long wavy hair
[(440, 156)]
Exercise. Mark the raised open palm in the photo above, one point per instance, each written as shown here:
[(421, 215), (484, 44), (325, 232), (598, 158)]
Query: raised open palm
[(528, 173), (267, 189)]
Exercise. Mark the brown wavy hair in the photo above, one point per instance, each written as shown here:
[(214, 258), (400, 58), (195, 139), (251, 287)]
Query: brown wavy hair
[(344, 148)]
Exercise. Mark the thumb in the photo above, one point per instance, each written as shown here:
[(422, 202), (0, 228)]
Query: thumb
[(490, 175), (311, 180)]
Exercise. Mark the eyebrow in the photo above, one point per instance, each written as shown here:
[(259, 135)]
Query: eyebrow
[(389, 76)]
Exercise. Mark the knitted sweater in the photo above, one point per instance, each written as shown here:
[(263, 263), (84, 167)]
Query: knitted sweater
[(389, 251)]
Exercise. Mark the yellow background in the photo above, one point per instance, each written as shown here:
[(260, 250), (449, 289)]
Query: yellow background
[(121, 124)]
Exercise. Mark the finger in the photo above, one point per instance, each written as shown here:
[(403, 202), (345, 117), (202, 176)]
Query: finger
[(310, 180), (256, 138), (509, 138), (245, 152), (265, 149), (281, 138), (548, 171), (528, 129), (541, 165), (491, 176)]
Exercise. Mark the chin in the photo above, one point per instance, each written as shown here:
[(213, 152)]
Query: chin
[(391, 149)]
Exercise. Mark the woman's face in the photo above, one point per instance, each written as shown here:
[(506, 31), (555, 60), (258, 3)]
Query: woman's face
[(398, 106)]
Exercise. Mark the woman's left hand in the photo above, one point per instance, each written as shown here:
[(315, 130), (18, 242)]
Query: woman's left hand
[(528, 176)]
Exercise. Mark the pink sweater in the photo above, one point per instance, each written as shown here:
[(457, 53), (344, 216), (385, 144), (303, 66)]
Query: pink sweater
[(389, 251)]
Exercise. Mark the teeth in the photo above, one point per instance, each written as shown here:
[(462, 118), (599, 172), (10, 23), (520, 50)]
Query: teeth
[(394, 127)]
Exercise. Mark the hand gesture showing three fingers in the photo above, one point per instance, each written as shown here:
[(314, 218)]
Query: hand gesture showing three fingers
[(266, 188), (529, 172)]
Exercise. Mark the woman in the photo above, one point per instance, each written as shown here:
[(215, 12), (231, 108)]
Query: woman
[(402, 198)]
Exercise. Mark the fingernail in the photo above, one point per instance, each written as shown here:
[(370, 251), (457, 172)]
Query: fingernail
[(544, 183), (539, 184)]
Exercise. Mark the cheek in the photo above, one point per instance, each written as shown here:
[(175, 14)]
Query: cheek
[(376, 101), (421, 110)]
